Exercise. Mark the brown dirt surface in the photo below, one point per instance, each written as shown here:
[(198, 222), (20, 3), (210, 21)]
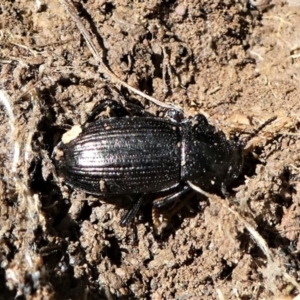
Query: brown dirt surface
[(238, 62)]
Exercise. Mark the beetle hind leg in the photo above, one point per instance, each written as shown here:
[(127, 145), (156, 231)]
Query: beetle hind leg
[(170, 198), (161, 224), (130, 214), (174, 115), (114, 107)]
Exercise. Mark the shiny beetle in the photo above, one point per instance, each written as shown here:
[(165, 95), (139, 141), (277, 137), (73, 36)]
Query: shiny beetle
[(143, 154)]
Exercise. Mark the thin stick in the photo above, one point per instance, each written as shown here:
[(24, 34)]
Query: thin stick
[(9, 110), (255, 235), (102, 67)]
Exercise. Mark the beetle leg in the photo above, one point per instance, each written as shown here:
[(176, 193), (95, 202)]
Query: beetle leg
[(130, 214), (115, 107), (174, 115), (224, 190), (137, 110), (170, 198), (159, 225)]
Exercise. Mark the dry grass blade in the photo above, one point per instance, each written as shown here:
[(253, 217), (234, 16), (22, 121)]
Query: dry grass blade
[(102, 67)]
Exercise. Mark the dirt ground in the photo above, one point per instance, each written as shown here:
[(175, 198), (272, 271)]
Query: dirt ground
[(238, 62)]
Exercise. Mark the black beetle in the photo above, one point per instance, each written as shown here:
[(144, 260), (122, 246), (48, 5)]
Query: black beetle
[(142, 154)]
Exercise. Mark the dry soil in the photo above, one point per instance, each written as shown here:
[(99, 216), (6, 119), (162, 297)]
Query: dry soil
[(237, 62)]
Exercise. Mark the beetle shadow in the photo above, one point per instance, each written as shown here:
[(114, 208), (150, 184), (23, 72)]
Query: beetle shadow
[(184, 207)]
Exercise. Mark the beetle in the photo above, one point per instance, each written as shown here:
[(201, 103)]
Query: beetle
[(139, 154)]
